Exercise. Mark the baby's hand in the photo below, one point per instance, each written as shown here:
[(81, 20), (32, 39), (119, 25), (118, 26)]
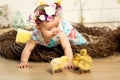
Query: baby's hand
[(23, 64), (69, 65)]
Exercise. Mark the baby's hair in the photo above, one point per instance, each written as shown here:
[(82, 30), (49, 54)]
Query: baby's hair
[(40, 7)]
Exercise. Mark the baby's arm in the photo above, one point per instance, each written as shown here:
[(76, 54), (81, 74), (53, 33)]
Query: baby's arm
[(26, 54), (67, 48)]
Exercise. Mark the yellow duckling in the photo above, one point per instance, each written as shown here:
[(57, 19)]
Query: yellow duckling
[(85, 61), (76, 59), (84, 55), (58, 63)]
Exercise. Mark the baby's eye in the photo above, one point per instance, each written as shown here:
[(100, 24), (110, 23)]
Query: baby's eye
[(56, 26), (49, 29)]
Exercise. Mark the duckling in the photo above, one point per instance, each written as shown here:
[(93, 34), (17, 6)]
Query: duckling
[(58, 63), (76, 59), (85, 61), (85, 56)]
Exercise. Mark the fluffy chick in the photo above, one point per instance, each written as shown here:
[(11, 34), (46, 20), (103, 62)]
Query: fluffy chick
[(58, 63), (85, 61), (85, 56), (76, 59)]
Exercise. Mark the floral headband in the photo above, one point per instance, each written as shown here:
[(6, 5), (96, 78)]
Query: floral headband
[(46, 14)]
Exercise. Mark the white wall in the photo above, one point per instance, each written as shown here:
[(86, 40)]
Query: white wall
[(93, 10)]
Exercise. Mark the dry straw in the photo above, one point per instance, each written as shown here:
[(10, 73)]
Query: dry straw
[(102, 42)]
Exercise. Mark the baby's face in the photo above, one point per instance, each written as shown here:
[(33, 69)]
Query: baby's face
[(49, 29)]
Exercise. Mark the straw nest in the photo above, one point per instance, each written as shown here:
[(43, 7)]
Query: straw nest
[(102, 42)]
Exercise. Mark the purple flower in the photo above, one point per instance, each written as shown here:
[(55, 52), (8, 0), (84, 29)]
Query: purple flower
[(50, 18), (37, 13)]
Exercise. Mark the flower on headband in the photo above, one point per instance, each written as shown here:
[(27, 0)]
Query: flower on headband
[(42, 17), (41, 2), (50, 10), (36, 13), (58, 11), (32, 17), (50, 18), (46, 13), (58, 1)]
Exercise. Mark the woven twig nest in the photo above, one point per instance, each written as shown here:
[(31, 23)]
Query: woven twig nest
[(105, 41)]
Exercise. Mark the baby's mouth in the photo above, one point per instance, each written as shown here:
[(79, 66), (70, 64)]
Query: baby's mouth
[(53, 34)]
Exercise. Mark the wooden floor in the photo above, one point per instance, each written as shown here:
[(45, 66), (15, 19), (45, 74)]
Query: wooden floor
[(103, 69)]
